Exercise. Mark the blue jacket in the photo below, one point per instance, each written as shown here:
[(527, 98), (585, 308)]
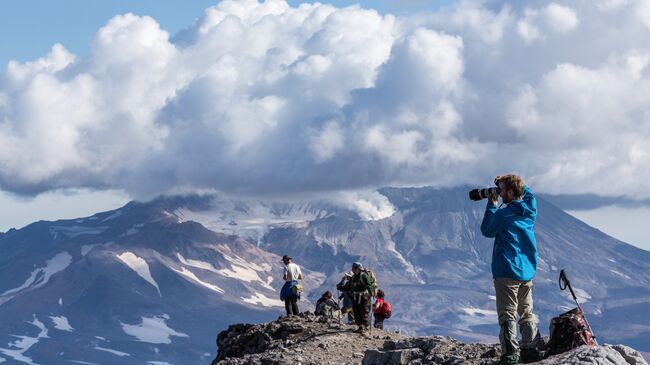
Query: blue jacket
[(515, 251), (287, 290)]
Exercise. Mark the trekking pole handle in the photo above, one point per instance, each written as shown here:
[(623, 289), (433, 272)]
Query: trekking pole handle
[(567, 284), (563, 280)]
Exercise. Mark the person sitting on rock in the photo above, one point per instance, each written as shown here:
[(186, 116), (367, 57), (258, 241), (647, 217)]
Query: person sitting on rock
[(381, 310), (347, 297), (326, 306), (291, 289), (361, 286)]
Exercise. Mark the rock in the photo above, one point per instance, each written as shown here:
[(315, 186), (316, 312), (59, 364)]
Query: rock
[(601, 355), (300, 340), (391, 357), (493, 352)]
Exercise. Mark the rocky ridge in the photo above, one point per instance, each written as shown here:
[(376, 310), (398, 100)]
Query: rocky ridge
[(312, 340)]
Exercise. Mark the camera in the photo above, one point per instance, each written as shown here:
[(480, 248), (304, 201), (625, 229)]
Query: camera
[(478, 194)]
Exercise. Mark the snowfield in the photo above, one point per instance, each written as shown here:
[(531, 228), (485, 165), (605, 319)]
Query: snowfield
[(152, 330), (140, 266)]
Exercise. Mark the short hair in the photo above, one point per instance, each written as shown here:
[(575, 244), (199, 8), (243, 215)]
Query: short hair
[(514, 183), (380, 294), (327, 294)]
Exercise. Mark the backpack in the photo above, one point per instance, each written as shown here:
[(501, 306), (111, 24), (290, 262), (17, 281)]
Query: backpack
[(296, 288), (569, 330), (386, 310), (373, 281)]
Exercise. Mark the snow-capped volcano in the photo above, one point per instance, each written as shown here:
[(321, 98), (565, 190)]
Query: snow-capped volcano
[(154, 282)]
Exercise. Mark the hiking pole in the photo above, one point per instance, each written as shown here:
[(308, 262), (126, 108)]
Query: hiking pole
[(338, 295), (564, 280), (371, 314)]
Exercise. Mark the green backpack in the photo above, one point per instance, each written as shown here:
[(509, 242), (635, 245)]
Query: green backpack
[(373, 281)]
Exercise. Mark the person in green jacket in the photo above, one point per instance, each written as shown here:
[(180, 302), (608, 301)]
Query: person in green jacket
[(361, 286)]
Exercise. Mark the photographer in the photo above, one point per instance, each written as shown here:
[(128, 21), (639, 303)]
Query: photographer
[(514, 263)]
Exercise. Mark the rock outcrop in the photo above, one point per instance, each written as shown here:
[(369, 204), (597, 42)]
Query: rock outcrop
[(308, 339)]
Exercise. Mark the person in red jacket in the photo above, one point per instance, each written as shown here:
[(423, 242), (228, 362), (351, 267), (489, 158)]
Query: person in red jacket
[(381, 310)]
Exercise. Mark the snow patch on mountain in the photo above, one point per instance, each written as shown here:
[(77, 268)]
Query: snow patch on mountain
[(620, 274), (18, 348), (239, 269), (190, 275), (114, 352), (40, 276), (152, 330), (61, 323), (116, 214), (131, 231), (87, 248), (390, 247), (475, 316), (250, 219), (140, 266), (241, 262), (582, 295), (263, 300), (197, 263), (74, 231)]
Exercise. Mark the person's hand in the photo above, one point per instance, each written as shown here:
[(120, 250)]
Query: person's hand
[(494, 199)]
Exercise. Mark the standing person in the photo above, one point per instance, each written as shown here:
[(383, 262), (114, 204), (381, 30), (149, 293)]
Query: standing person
[(290, 292), (361, 287), (347, 297), (514, 264), (381, 310)]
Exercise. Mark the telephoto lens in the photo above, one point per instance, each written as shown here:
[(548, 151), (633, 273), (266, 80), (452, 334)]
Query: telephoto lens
[(478, 194)]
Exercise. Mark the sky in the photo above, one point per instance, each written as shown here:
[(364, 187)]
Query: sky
[(103, 102)]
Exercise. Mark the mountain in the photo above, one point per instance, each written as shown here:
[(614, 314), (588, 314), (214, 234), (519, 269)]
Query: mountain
[(153, 282)]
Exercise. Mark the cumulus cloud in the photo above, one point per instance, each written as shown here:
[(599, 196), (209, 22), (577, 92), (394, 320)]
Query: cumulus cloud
[(269, 99), (553, 18), (370, 205)]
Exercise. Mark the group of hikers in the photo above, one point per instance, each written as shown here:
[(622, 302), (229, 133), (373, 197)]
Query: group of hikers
[(357, 289), (514, 264)]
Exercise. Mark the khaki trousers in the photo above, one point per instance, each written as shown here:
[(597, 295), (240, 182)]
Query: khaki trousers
[(515, 297)]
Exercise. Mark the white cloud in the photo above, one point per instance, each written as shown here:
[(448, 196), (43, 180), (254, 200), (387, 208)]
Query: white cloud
[(265, 98), (327, 142), (560, 18), (643, 11), (370, 205), (528, 31)]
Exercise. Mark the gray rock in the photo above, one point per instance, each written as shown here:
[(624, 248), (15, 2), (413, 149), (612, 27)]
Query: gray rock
[(391, 357), (600, 355)]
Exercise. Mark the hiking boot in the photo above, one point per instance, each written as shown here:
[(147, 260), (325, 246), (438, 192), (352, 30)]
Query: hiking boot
[(509, 359), (530, 355)]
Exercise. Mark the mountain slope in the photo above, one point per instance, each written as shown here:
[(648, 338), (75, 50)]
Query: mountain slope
[(154, 281)]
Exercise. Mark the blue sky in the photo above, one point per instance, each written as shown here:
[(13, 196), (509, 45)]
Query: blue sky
[(29, 28), (437, 97)]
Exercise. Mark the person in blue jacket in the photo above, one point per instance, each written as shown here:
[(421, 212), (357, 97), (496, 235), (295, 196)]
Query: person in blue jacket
[(514, 263)]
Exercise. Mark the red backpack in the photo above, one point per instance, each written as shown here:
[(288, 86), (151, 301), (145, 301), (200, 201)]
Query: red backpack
[(385, 309)]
